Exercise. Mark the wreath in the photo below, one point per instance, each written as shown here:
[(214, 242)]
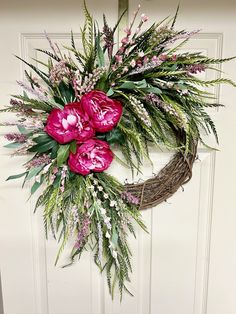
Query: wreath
[(88, 102)]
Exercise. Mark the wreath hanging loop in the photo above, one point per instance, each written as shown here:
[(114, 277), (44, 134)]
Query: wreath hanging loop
[(72, 115)]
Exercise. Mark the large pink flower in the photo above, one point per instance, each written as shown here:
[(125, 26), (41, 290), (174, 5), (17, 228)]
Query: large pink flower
[(93, 155), (69, 124), (104, 112)]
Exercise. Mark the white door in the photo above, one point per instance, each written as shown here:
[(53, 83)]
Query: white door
[(187, 264)]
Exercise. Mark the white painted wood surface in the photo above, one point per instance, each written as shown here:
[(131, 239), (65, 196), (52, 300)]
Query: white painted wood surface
[(186, 264)]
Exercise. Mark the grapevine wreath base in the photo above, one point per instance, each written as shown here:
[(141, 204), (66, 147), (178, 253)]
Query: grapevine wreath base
[(85, 104), (159, 188)]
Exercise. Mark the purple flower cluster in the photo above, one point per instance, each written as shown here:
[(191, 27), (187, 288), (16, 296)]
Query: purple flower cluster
[(108, 38), (38, 161), (155, 62), (16, 137), (37, 93), (130, 198), (196, 68), (179, 36), (82, 232), (20, 108), (15, 102)]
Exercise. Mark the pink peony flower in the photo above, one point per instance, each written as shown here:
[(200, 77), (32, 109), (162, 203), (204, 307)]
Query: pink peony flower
[(104, 112), (93, 155), (69, 124)]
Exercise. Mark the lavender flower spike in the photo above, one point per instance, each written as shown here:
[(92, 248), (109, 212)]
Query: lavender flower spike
[(16, 137), (38, 161), (33, 91), (130, 198)]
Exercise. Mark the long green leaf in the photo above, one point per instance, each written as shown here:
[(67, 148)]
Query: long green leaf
[(16, 176), (62, 154)]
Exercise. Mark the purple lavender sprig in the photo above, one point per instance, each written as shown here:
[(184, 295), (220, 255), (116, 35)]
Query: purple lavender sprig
[(36, 93), (108, 37), (38, 161), (182, 35), (82, 232), (16, 137), (196, 68), (130, 198)]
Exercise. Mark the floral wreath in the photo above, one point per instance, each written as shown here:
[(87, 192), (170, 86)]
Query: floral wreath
[(72, 116)]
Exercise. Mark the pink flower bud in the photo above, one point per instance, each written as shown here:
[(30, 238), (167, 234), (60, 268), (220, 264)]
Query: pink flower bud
[(118, 58), (55, 170), (163, 57), (154, 58), (121, 49), (127, 31), (174, 57), (144, 18), (145, 59), (125, 40)]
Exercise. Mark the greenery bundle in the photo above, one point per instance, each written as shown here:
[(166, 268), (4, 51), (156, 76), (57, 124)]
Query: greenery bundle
[(142, 91)]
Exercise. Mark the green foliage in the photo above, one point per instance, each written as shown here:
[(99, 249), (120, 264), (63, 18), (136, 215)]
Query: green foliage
[(44, 146), (17, 176), (40, 73), (32, 103), (62, 154)]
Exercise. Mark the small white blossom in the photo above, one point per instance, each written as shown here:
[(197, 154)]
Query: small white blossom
[(113, 203), (107, 235), (46, 168), (114, 254), (133, 63), (141, 54), (103, 211), (107, 220), (37, 178)]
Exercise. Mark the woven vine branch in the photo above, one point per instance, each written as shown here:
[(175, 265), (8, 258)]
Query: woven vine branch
[(159, 188)]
